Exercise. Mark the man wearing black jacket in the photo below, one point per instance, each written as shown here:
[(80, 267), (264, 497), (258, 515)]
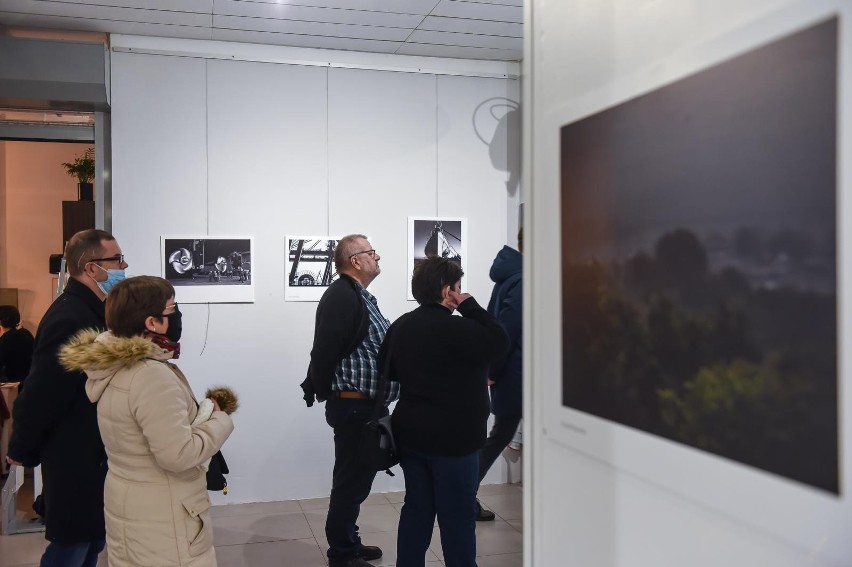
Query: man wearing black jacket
[(55, 423), (343, 372)]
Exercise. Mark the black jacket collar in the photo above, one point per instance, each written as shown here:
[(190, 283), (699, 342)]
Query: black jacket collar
[(79, 290)]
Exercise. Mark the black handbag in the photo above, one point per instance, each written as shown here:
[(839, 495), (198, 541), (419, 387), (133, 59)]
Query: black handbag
[(377, 448), (216, 472)]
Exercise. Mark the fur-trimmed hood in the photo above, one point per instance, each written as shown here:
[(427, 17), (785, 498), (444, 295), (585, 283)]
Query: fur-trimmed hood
[(101, 355)]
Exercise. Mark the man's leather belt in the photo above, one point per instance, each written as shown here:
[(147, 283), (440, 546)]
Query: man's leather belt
[(352, 395)]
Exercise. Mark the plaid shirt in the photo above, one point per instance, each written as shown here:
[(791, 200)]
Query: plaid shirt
[(359, 371)]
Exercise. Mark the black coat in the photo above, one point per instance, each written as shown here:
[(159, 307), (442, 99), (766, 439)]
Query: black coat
[(342, 322), (440, 362), (16, 352), (56, 424)]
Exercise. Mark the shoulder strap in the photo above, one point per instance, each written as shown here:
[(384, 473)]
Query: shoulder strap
[(356, 340), (383, 380)]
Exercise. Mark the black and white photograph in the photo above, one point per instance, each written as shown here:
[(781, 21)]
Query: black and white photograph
[(436, 236), (309, 267), (209, 269), (699, 260)]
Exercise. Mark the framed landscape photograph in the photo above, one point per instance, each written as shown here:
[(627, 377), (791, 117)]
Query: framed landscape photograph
[(699, 326)]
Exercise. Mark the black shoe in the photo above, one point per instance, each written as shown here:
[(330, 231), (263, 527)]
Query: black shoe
[(350, 562), (483, 515), (369, 552)]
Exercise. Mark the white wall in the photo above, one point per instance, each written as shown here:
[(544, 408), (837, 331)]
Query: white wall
[(264, 147), (589, 511)]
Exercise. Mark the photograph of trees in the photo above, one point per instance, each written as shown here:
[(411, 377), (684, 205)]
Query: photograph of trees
[(699, 270)]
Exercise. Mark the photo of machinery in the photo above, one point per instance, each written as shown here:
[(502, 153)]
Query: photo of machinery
[(309, 266), (311, 262), (436, 236), (207, 261)]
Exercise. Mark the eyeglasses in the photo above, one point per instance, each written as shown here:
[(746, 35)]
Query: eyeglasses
[(170, 308), (371, 253), (117, 258)]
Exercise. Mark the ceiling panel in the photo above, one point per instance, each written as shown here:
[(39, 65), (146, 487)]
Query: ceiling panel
[(107, 26), (310, 14), (479, 11), (199, 6), (310, 28), (291, 40), (470, 29), (437, 23), (466, 39), (422, 7), (90, 12), (519, 3)]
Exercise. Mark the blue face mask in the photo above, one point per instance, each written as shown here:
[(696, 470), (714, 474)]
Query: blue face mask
[(113, 277)]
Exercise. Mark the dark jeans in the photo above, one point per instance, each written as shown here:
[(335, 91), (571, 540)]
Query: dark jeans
[(501, 434), (442, 486), (83, 554), (351, 482)]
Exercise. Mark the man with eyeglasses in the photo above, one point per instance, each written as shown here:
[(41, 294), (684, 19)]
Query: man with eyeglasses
[(55, 423), (343, 373)]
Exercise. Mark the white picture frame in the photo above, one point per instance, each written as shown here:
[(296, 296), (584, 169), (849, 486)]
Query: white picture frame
[(812, 520), (308, 266)]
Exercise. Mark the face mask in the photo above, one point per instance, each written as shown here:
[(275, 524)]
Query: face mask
[(175, 325), (113, 277)]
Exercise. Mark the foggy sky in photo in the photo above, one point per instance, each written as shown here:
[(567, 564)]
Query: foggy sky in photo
[(749, 142)]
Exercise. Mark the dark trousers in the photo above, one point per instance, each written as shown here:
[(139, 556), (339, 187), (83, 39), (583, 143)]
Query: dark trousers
[(83, 554), (351, 482), (501, 434), (442, 486)]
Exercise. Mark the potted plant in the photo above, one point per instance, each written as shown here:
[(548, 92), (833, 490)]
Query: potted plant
[(83, 168)]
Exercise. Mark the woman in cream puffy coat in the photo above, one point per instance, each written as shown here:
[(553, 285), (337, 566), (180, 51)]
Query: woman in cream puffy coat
[(155, 498)]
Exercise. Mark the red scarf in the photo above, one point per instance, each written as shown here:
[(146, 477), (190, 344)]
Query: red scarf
[(164, 343)]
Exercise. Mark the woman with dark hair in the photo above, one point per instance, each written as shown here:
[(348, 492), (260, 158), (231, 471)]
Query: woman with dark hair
[(155, 497), (16, 346), (439, 423)]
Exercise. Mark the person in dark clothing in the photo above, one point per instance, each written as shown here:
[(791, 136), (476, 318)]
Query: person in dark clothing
[(440, 362), (506, 374), (343, 372), (16, 346), (55, 423)]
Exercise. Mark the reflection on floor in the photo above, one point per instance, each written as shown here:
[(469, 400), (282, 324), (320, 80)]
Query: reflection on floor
[(291, 533)]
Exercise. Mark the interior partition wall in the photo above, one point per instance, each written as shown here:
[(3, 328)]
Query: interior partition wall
[(233, 140)]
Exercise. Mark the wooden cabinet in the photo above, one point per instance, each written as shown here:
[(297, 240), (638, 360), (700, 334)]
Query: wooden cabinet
[(76, 216)]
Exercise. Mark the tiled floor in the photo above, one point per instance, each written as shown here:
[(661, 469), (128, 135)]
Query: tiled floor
[(291, 533)]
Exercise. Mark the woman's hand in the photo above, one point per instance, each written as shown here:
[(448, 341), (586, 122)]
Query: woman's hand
[(455, 298)]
